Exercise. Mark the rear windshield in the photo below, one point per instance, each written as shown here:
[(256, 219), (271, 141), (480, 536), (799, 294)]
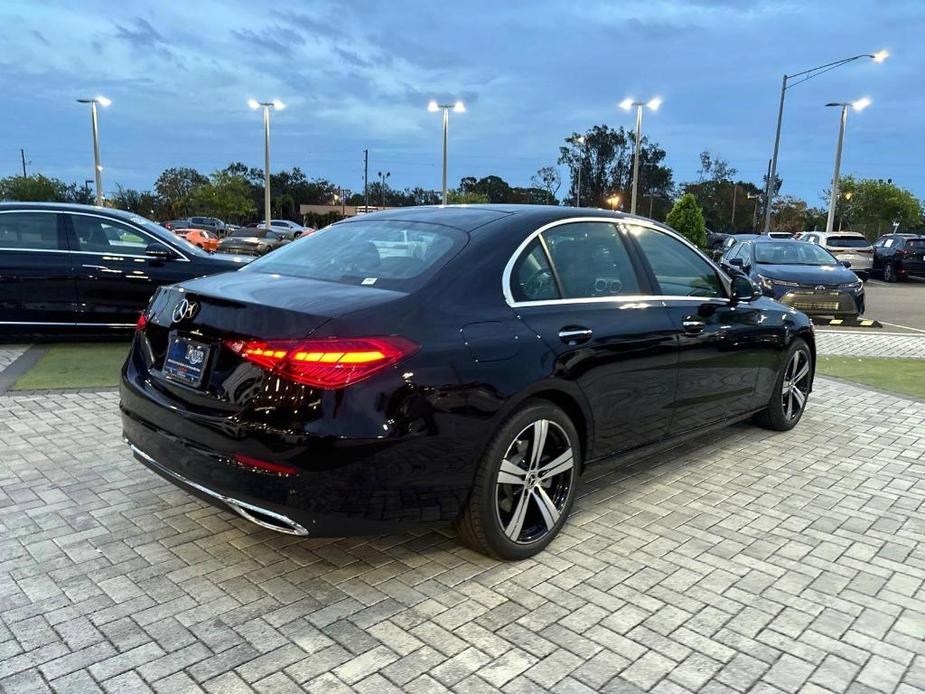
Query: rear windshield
[(386, 254), (792, 253), (847, 242)]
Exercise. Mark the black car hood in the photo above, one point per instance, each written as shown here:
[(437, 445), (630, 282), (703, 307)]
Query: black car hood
[(807, 274)]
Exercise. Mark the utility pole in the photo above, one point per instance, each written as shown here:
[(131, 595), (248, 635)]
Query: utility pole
[(22, 154), (366, 179)]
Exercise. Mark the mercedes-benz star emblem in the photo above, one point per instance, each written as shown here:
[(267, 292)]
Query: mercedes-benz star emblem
[(185, 310), (820, 287)]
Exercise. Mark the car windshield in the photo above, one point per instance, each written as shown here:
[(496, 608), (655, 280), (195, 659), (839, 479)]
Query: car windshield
[(847, 242), (792, 253), (386, 254)]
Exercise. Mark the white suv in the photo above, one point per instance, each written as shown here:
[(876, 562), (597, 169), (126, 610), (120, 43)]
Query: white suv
[(845, 245)]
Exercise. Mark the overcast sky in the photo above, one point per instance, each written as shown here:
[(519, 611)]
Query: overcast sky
[(358, 74)]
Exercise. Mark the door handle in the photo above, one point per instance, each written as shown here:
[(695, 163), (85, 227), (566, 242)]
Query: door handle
[(575, 334), (692, 325)]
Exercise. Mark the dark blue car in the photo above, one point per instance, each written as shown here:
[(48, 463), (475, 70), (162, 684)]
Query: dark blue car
[(802, 275)]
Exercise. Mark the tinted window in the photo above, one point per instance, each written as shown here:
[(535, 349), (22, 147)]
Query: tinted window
[(36, 230), (99, 235), (532, 278), (916, 243), (591, 260), (792, 253), (847, 242), (745, 253), (679, 270), (366, 253)]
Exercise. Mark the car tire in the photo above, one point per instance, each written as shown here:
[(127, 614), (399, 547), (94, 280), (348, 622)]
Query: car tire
[(789, 397), (889, 273), (515, 509)]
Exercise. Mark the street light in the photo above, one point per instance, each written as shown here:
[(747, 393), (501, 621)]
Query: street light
[(97, 167), (614, 200), (858, 105), (805, 75), (581, 160), (382, 177), (626, 105), (458, 107), (267, 105)]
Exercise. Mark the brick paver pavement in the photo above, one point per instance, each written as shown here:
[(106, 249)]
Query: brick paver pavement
[(10, 353), (754, 561), (870, 344)]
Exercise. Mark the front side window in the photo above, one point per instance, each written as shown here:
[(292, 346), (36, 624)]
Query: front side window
[(678, 269), (101, 235), (367, 253), (591, 260), (29, 231)]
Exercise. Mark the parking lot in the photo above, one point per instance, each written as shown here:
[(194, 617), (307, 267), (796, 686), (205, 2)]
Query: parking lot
[(751, 561)]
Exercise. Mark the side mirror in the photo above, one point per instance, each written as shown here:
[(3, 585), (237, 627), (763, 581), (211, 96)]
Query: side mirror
[(743, 289), (846, 263), (160, 251), (737, 262)]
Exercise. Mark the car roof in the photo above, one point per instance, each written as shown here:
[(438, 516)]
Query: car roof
[(469, 218), (71, 207)]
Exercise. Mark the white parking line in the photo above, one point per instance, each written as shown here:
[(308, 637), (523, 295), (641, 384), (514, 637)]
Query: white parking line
[(904, 327)]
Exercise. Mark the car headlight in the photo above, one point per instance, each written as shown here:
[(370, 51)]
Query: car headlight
[(857, 284), (769, 283)]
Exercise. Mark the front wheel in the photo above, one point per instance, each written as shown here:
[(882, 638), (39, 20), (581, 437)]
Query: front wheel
[(791, 390), (524, 486)]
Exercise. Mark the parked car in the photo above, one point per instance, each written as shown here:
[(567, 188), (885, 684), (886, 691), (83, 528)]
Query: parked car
[(845, 245), (798, 274), (899, 256), (76, 266), (308, 231), (172, 224), (715, 239), (251, 241), (472, 375), (213, 224), (206, 240)]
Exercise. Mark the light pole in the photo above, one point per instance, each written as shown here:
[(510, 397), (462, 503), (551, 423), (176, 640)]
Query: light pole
[(757, 198), (382, 177), (581, 160), (858, 105), (769, 191), (626, 105), (97, 167), (841, 217), (267, 105), (614, 200), (458, 107)]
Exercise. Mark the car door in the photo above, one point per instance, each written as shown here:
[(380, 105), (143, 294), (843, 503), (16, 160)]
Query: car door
[(115, 278), (37, 283), (723, 345), (576, 285)]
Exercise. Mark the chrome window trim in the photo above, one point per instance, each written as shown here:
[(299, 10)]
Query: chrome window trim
[(73, 324), (509, 267)]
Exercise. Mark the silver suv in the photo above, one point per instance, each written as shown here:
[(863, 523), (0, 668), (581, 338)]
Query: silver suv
[(845, 245)]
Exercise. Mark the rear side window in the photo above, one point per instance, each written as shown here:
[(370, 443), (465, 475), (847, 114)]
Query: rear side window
[(678, 269), (847, 242), (916, 243), (591, 260), (29, 231), (532, 278), (375, 253)]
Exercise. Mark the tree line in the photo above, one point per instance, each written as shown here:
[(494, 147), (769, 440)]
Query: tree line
[(598, 162)]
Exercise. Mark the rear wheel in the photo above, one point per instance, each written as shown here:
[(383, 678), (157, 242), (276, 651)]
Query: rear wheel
[(791, 390), (524, 486), (889, 273)]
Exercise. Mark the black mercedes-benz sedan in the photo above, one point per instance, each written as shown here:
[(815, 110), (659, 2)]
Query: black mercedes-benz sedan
[(438, 364), (65, 267)]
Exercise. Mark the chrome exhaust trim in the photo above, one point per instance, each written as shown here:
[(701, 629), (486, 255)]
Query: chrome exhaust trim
[(277, 521)]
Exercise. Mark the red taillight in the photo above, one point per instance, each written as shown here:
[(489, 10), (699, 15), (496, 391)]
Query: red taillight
[(142, 322), (328, 363), (263, 465)]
